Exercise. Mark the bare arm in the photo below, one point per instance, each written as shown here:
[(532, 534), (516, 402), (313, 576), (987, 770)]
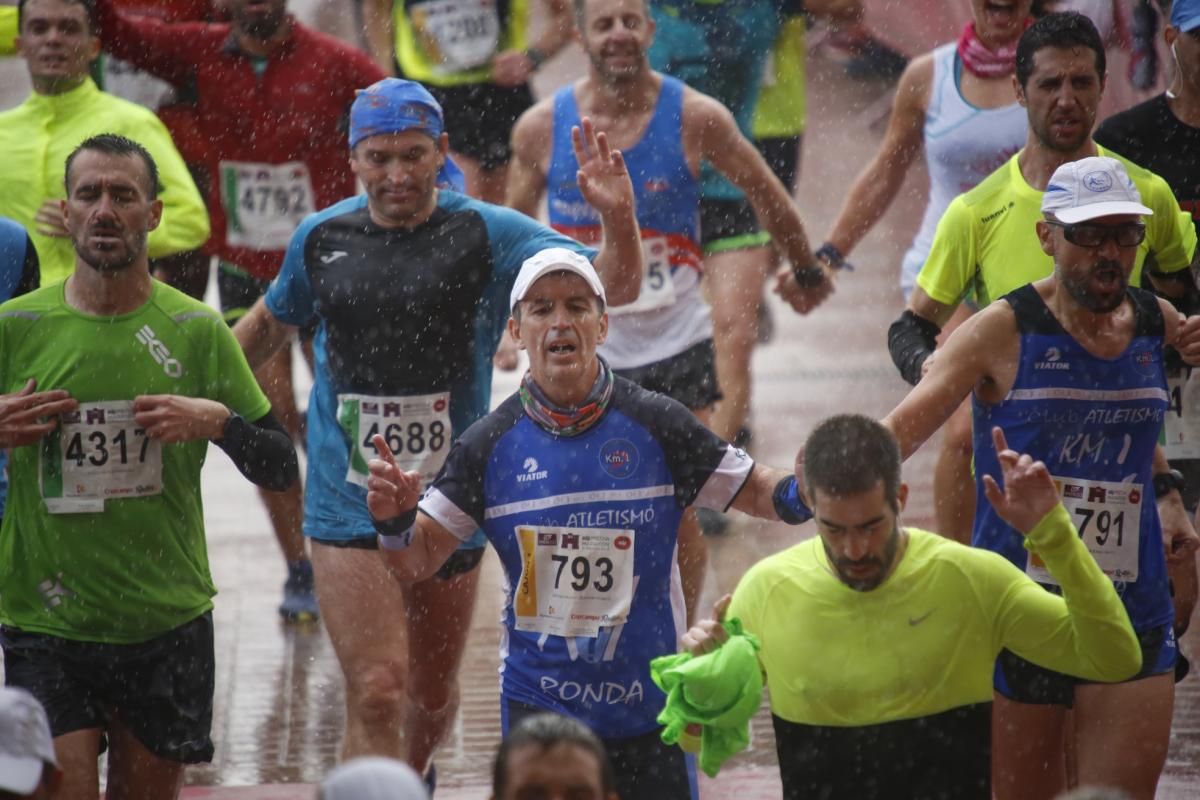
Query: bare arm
[(526, 173), (604, 183), (878, 184), (261, 334), (413, 544), (431, 546), (757, 495), (926, 307), (557, 31), (381, 39), (974, 354), (515, 67), (722, 143)]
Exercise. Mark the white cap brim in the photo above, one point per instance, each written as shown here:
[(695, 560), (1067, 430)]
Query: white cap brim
[(20, 775), (554, 259), (1096, 210)]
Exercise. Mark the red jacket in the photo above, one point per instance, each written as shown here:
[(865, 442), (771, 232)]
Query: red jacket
[(295, 113)]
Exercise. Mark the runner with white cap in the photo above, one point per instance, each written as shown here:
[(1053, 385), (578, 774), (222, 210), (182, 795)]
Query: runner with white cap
[(28, 766), (409, 284), (1071, 368), (579, 481)]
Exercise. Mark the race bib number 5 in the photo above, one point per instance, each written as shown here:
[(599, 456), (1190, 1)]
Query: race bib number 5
[(98, 453), (573, 580), (1108, 517), (658, 287), (416, 429), (264, 203)]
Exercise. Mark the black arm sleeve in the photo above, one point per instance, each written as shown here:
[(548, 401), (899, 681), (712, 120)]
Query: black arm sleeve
[(911, 340), (31, 270), (262, 451)]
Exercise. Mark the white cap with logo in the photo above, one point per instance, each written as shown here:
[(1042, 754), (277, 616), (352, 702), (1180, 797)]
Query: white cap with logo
[(26, 745), (1089, 188), (554, 259)]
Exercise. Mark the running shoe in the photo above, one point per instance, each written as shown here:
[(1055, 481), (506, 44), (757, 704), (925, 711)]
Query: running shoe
[(299, 595)]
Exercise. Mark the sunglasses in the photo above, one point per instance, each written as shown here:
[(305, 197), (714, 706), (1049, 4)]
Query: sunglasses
[(1084, 235)]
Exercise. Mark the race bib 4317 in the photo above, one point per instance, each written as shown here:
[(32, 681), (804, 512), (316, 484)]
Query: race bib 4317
[(98, 453)]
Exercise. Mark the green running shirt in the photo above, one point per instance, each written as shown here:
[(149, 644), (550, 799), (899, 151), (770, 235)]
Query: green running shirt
[(139, 568)]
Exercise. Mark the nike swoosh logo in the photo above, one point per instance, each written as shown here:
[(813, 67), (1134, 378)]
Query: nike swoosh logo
[(918, 620), (334, 256)]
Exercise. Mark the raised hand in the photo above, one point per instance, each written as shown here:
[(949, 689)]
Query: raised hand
[(1187, 341), (603, 179), (708, 634), (1029, 492), (26, 416), (390, 490)]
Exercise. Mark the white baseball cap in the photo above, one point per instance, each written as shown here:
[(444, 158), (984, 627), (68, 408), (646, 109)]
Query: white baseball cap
[(1090, 188), (554, 259), (373, 778), (26, 745)]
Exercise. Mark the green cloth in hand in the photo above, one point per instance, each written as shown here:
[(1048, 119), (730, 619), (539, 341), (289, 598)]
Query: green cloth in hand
[(720, 691)]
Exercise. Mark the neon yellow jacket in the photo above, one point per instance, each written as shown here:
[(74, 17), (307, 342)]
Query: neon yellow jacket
[(37, 136), (8, 30)]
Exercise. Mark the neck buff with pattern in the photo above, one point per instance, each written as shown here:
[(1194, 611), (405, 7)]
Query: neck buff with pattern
[(983, 62), (568, 421)]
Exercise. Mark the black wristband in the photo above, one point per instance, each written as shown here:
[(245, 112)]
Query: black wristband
[(911, 340), (834, 256), (396, 526), (536, 57), (233, 433), (808, 277), (1165, 482)]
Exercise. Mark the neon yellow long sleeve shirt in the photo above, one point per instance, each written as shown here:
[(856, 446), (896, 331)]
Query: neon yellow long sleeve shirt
[(925, 641), (37, 136)]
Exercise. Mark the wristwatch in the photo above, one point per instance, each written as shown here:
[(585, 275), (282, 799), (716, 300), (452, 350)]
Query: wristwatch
[(536, 57), (808, 277), (1164, 482)]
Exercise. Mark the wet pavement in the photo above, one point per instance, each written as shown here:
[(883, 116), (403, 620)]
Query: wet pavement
[(279, 702)]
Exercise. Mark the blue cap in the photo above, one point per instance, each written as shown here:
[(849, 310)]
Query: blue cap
[(393, 105), (1185, 15)]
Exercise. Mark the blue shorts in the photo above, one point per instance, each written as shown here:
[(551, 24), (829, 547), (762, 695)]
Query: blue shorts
[(1025, 682)]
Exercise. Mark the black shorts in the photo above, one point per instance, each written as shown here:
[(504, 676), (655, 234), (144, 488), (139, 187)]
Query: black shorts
[(161, 689), (479, 119), (238, 291), (689, 377), (646, 769), (460, 562), (783, 156), (946, 756), (1025, 682), (729, 225)]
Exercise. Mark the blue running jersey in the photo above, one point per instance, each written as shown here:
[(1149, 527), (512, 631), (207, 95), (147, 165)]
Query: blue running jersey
[(1095, 423), (670, 314), (409, 321), (585, 528)]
